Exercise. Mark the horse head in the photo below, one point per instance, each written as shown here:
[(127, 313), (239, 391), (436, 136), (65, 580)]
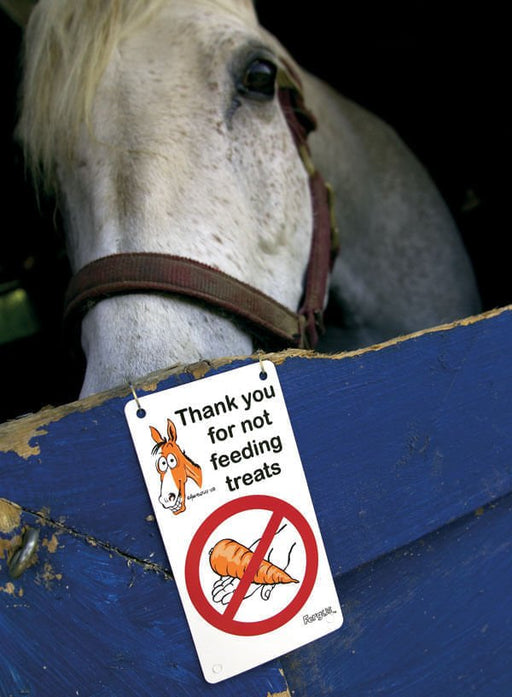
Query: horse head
[(162, 127), (167, 137), (173, 461)]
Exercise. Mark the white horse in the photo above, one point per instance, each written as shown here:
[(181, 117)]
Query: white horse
[(157, 122)]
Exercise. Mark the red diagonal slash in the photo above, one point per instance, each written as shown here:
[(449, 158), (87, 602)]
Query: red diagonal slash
[(253, 566)]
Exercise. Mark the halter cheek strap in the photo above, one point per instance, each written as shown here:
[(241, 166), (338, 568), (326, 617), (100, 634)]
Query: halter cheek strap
[(325, 239), (144, 272)]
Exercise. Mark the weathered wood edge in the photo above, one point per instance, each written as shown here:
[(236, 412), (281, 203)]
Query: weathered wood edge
[(16, 434), (390, 449)]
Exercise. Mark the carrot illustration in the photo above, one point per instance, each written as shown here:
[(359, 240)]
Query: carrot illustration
[(231, 558)]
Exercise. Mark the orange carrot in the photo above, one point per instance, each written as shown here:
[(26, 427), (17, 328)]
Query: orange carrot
[(230, 558)]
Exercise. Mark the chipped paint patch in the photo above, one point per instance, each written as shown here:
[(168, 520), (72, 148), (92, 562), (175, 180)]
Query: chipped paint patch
[(199, 370), (10, 516), (10, 589), (10, 521), (284, 693), (51, 544), (44, 513), (7, 547), (16, 435), (47, 576)]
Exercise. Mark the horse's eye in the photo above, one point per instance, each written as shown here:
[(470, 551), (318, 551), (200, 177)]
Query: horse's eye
[(161, 464), (259, 80), (171, 461)]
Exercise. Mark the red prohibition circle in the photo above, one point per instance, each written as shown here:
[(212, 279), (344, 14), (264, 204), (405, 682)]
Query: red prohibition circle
[(223, 621)]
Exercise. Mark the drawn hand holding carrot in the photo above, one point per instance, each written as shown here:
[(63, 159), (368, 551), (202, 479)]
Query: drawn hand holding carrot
[(230, 559)]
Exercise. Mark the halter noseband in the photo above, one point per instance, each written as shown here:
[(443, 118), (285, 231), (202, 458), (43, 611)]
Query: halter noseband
[(143, 272)]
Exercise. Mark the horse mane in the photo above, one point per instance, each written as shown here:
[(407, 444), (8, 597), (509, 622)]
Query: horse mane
[(157, 447), (67, 47), (68, 44)]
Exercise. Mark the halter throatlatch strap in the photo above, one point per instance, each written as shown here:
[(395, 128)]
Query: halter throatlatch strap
[(144, 272)]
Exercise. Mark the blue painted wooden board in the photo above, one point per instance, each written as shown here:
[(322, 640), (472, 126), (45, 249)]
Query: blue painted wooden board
[(431, 619), (407, 454), (89, 621)]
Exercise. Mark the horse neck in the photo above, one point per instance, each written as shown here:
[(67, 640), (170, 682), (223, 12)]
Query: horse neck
[(154, 333)]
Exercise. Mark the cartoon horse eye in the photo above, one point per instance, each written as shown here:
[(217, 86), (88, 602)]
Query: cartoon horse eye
[(171, 461), (161, 464)]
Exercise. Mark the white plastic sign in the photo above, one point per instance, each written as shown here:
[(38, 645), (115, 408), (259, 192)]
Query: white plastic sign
[(229, 493)]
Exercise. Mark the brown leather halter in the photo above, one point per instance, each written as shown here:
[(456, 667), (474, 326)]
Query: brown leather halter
[(162, 273)]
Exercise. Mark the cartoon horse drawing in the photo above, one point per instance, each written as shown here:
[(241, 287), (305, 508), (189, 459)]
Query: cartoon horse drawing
[(171, 459)]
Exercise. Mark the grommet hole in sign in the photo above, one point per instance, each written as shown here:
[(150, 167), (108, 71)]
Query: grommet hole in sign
[(230, 496)]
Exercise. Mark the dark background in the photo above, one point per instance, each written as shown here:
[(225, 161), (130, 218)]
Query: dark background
[(438, 72)]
